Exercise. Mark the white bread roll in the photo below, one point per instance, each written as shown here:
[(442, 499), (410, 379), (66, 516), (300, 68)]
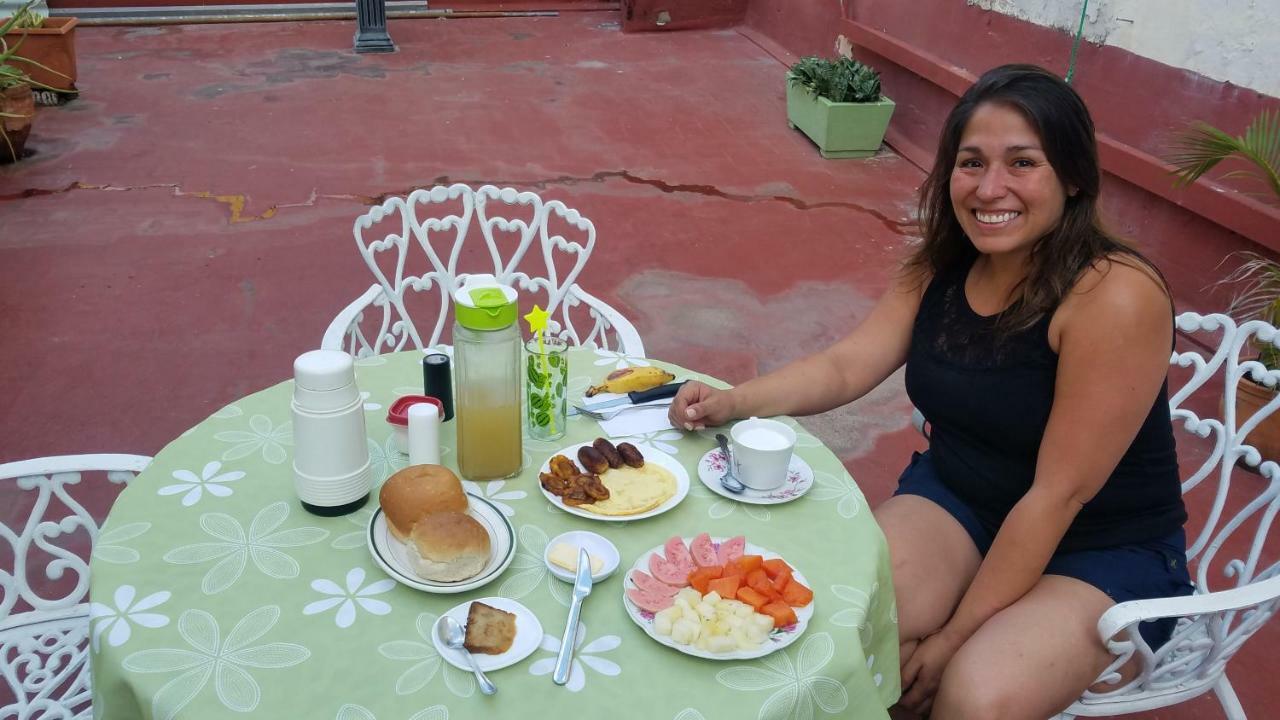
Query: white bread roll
[(417, 491), (448, 546)]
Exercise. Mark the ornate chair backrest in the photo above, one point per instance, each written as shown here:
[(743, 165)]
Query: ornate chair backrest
[(1227, 547), (44, 581), (419, 243)]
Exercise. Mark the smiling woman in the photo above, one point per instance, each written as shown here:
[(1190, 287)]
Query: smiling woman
[(1036, 345)]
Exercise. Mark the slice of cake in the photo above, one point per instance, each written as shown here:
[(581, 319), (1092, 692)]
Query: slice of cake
[(489, 630)]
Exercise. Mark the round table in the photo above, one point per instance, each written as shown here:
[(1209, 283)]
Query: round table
[(216, 594)]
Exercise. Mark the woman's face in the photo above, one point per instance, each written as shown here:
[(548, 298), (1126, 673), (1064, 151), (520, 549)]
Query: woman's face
[(1003, 190)]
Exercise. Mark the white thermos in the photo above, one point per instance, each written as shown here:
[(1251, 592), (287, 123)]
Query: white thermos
[(331, 468)]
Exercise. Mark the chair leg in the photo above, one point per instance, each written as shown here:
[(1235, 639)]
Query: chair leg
[(1227, 696)]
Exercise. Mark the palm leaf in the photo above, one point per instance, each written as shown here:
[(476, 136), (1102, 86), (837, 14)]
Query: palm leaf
[(1203, 146)]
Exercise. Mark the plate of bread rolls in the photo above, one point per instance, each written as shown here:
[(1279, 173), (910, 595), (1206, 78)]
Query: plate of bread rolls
[(603, 481), (429, 534)]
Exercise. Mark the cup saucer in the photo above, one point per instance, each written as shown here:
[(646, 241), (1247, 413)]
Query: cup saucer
[(799, 479)]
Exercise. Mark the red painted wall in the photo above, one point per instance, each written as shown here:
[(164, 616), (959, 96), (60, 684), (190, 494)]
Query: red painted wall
[(1137, 101), (644, 15)]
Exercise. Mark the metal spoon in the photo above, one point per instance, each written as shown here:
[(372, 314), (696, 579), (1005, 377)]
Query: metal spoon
[(451, 634), (728, 481)]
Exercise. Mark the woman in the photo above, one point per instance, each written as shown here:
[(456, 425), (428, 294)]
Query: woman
[(1037, 346)]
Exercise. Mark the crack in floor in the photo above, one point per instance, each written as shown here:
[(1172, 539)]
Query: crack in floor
[(236, 203)]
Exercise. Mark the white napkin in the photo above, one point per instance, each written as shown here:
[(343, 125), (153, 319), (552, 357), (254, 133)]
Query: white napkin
[(632, 422)]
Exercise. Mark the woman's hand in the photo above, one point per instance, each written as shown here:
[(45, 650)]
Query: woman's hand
[(923, 672), (698, 405)]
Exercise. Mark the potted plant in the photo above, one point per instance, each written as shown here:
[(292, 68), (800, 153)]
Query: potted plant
[(1195, 153), (17, 105), (838, 104), (49, 45)]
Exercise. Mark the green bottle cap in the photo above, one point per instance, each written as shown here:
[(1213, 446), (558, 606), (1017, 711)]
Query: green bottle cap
[(488, 307)]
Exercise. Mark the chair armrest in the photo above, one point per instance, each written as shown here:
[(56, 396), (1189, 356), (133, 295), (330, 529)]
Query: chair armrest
[(1127, 613), (628, 338), (337, 330)]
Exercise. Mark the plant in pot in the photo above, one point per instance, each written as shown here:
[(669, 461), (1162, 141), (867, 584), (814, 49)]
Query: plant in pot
[(1257, 279), (17, 104), (838, 104), (49, 42)]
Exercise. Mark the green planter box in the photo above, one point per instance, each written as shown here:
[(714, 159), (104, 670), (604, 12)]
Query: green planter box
[(841, 130)]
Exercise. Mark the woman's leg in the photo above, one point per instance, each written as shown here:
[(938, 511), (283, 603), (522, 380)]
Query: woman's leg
[(933, 560), (1031, 660)]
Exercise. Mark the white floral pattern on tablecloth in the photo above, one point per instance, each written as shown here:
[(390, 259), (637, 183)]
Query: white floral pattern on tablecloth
[(619, 360), (236, 547), (584, 656), (848, 497), (228, 659), (262, 436), (357, 538), (358, 712), (117, 617), (660, 439), (529, 568), (356, 593), (108, 546), (369, 405), (493, 491), (800, 686), (385, 459), (193, 487), (427, 662)]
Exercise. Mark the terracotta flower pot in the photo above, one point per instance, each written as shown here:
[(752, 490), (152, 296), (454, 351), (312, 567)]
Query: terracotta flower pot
[(53, 45), (18, 101), (1250, 397)]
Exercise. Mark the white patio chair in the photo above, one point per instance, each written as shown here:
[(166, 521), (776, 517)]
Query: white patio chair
[(1234, 596), (44, 640), (438, 222)]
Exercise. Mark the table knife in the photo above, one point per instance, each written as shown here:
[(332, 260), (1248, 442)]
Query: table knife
[(640, 396), (581, 589)]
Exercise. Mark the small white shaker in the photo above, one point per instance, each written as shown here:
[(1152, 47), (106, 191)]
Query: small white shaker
[(424, 434)]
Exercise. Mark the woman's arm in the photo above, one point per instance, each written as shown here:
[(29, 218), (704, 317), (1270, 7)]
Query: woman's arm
[(828, 379), (1114, 334)]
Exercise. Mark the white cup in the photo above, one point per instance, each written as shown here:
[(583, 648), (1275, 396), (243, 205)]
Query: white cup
[(762, 451), (331, 467)]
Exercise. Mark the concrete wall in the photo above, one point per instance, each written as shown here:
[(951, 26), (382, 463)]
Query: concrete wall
[(1236, 41), (1137, 101)]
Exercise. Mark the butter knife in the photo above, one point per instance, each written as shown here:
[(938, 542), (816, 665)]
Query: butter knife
[(581, 589)]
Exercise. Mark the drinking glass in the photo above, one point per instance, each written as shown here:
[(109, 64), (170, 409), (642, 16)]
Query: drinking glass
[(545, 379)]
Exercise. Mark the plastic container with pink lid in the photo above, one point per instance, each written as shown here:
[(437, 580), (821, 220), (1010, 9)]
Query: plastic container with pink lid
[(398, 417)]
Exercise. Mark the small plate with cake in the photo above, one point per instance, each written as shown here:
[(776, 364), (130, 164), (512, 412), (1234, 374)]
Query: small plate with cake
[(500, 632), (601, 481), (430, 535)]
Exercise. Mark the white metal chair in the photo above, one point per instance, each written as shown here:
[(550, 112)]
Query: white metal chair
[(44, 640), (438, 221), (1233, 597)]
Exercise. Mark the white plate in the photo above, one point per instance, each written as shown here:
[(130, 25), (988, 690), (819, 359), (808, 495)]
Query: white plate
[(528, 636), (393, 557), (776, 640), (651, 454), (799, 480), (598, 546)]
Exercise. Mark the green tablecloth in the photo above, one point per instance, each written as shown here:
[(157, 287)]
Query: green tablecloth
[(216, 594)]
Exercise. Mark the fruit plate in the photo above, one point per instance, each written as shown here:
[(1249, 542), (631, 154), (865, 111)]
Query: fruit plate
[(776, 640), (528, 636), (393, 556), (651, 454)]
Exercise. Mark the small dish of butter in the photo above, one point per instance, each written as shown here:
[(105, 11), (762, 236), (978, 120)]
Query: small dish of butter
[(561, 555)]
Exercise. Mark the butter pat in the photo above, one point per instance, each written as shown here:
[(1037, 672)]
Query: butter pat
[(566, 556)]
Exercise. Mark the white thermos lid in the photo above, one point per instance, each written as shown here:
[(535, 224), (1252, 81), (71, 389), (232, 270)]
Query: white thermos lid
[(323, 370)]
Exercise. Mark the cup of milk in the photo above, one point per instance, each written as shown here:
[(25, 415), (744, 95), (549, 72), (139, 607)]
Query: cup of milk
[(762, 452)]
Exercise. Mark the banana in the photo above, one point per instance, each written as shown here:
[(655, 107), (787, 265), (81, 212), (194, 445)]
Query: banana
[(632, 379)]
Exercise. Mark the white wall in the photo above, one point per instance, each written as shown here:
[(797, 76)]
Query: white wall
[(1236, 41)]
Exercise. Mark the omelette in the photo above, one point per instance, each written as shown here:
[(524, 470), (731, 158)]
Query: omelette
[(634, 490)]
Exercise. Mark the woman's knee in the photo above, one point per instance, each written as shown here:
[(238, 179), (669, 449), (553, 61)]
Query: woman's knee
[(971, 691)]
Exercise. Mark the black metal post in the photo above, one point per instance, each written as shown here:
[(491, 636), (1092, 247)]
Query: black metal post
[(371, 27)]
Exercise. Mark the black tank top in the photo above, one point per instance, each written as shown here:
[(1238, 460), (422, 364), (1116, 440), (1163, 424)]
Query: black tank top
[(988, 403)]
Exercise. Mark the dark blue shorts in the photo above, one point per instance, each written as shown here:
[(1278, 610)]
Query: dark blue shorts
[(1140, 571)]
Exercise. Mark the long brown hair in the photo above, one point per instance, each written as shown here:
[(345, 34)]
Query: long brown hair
[(1076, 243)]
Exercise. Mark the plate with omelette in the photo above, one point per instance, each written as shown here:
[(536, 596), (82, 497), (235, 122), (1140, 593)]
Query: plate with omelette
[(600, 481)]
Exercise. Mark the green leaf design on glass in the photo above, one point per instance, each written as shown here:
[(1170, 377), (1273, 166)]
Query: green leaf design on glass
[(553, 361), (538, 401), (542, 419), (536, 378)]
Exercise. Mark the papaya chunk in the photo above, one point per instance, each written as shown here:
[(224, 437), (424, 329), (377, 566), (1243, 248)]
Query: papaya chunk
[(752, 598), (725, 587), (781, 613), (796, 594), (776, 566), (750, 562), (701, 578)]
